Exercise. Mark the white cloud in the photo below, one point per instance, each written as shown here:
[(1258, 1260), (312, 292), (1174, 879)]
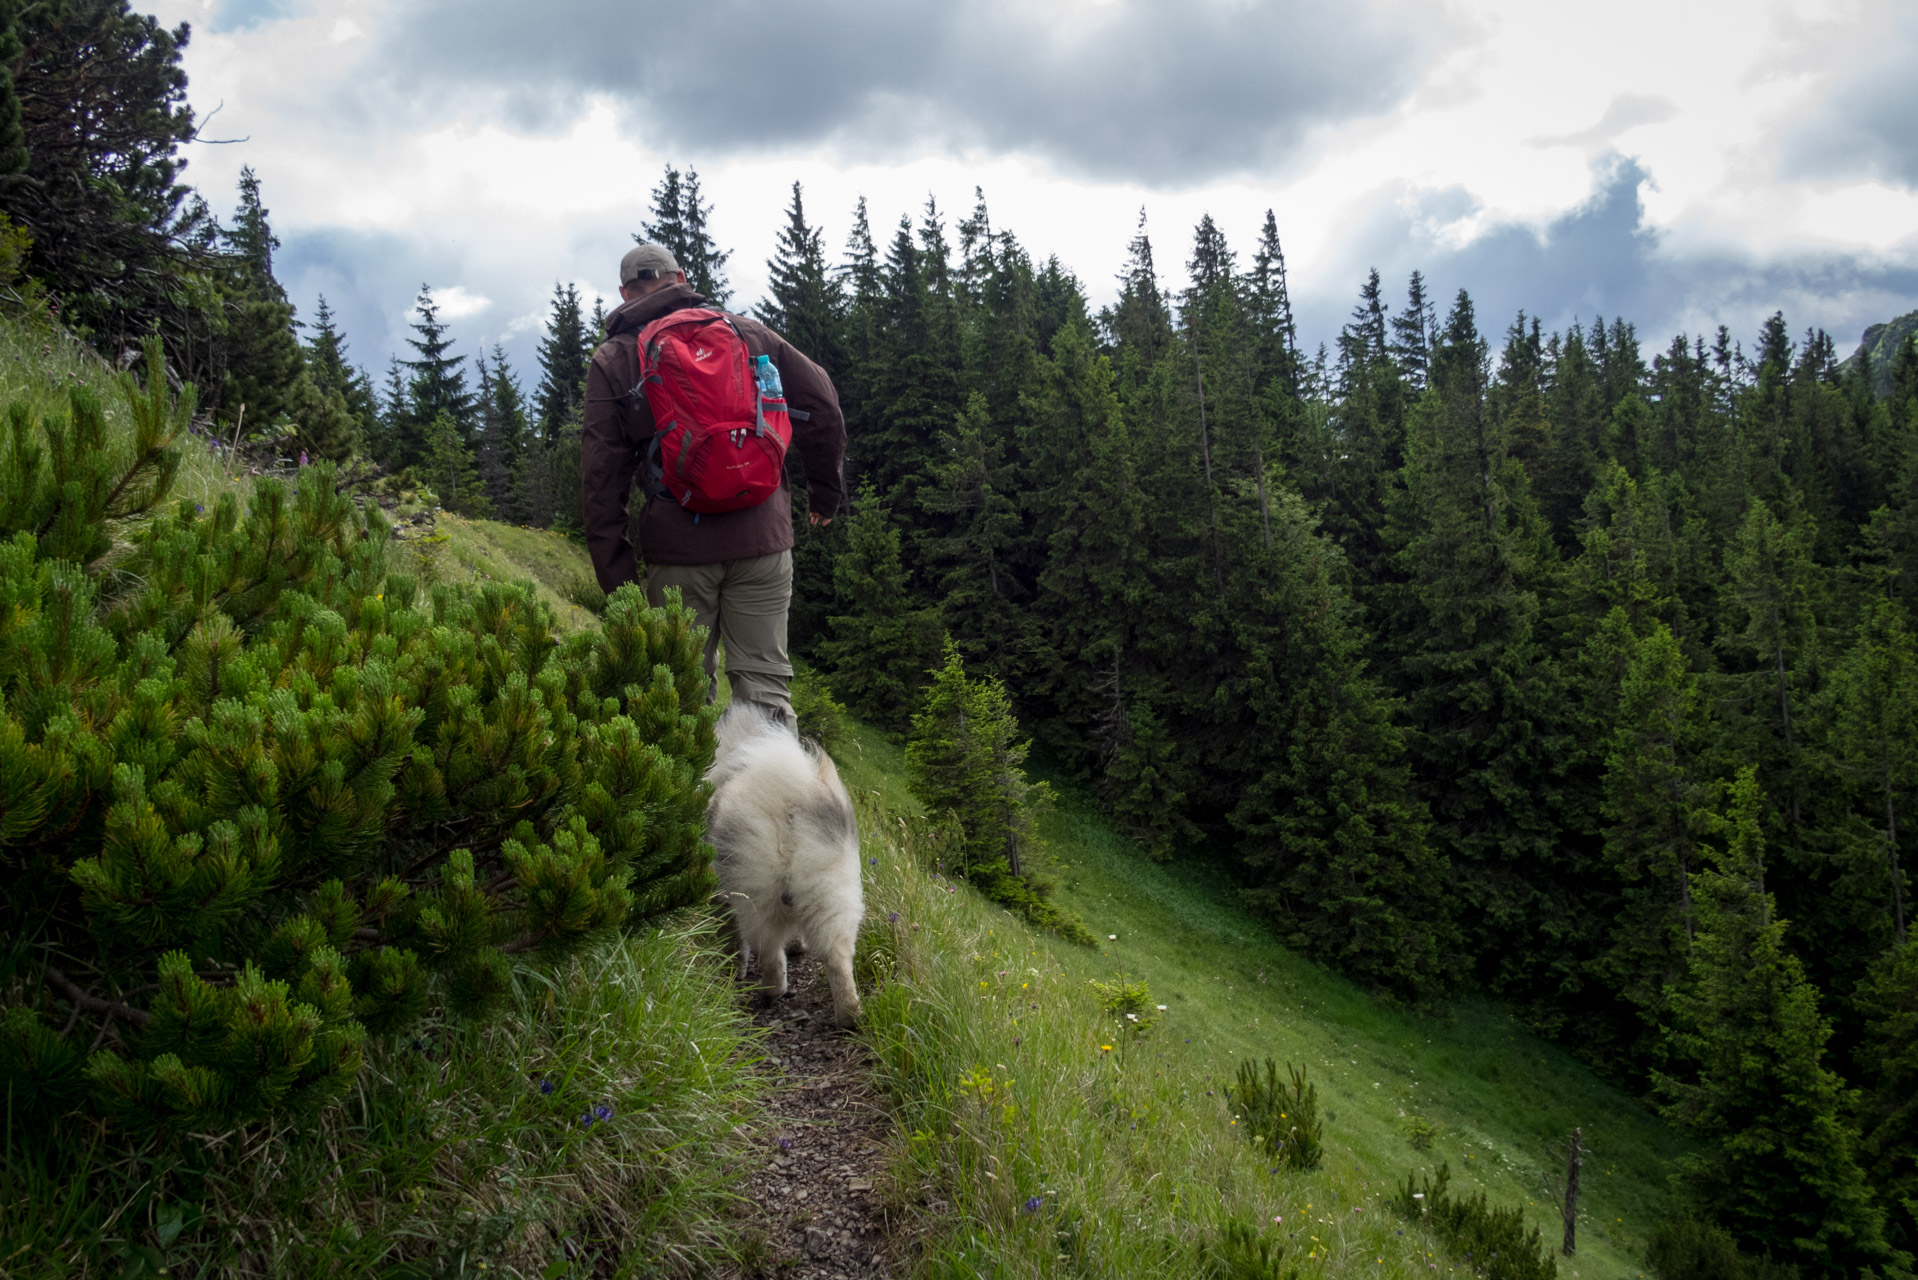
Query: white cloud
[(456, 303), (378, 182)]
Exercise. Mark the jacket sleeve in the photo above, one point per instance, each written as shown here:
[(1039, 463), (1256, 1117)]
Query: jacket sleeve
[(820, 436), (608, 461)]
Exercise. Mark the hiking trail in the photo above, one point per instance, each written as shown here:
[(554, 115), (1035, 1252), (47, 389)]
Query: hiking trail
[(811, 1189)]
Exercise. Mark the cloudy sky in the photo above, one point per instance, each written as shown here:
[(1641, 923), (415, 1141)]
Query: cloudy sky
[(1684, 163)]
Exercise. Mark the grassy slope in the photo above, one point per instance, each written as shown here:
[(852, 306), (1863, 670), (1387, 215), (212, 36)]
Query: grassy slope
[(477, 549), (1135, 1160)]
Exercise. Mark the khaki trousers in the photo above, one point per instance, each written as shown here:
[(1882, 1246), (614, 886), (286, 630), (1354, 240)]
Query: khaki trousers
[(743, 604)]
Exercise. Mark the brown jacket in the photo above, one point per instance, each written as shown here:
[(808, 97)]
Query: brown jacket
[(619, 424)]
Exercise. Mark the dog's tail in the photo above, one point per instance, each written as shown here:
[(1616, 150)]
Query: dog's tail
[(828, 772)]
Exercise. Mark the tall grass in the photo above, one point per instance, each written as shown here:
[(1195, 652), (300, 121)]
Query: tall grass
[(585, 1133), (1042, 1137), (38, 364)]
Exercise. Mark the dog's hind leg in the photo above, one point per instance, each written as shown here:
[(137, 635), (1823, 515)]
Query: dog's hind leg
[(745, 923), (845, 996), (772, 966)]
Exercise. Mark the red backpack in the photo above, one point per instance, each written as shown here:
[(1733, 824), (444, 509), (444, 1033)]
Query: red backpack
[(719, 444)]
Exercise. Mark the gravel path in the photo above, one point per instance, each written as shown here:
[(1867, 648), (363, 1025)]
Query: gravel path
[(813, 1206)]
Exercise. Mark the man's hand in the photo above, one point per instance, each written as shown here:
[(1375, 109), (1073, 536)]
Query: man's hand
[(818, 520)]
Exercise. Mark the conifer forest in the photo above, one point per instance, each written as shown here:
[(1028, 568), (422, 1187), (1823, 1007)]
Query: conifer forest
[(1576, 667)]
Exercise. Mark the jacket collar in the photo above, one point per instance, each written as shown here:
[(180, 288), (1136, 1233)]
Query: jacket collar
[(631, 317)]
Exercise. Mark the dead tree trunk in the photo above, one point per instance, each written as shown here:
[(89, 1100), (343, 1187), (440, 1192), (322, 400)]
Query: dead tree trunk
[(1574, 1157)]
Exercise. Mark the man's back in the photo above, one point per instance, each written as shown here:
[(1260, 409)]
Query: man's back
[(734, 570), (619, 426)]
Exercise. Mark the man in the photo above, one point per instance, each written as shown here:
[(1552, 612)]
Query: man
[(733, 570)]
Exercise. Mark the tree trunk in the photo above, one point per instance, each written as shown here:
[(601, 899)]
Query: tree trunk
[(1205, 456), (1574, 1158), (1891, 859), (1265, 509), (1791, 755)]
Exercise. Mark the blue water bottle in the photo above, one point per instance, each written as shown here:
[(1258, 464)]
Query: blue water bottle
[(766, 373)]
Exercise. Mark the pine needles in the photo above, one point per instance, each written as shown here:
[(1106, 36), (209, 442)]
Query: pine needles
[(1281, 1117), (1491, 1243)]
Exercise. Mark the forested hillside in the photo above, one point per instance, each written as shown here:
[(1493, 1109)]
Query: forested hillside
[(1483, 657)]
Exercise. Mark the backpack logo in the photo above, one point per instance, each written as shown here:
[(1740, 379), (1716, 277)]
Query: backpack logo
[(720, 443)]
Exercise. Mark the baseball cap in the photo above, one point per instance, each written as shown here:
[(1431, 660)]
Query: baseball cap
[(647, 262)]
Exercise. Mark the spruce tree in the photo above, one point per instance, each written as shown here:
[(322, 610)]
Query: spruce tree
[(1770, 634), (1332, 830), (857, 383), (13, 134), (565, 350), (448, 468), (394, 416), (324, 426), (1889, 1004), (668, 224), (1779, 1167), (333, 374), (915, 390), (978, 254), (259, 348), (965, 763), (974, 492), (1573, 447), (435, 386), (1875, 740), (1091, 670), (1368, 437), (501, 454), (705, 262), (964, 759), (679, 223), (1481, 691), (881, 647), (1414, 334), (1269, 307), (1139, 325), (1516, 398), (1658, 807), (807, 301)]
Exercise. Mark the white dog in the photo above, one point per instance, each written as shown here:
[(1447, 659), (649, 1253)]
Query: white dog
[(787, 848)]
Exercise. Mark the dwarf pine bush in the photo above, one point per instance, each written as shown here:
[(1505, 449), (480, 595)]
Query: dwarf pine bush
[(1240, 1251), (1492, 1243), (262, 798), (1281, 1116)]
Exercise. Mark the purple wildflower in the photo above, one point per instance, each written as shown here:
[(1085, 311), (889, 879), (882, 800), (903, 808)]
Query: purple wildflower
[(602, 1112), (785, 1144), (892, 917), (1035, 1203), (547, 1087)]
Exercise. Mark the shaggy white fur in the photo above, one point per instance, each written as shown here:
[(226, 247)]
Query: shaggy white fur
[(787, 851)]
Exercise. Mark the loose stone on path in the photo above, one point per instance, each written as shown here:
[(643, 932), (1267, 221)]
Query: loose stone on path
[(810, 1201)]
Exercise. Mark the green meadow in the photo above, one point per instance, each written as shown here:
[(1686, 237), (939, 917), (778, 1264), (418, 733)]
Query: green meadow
[(1041, 1137)]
